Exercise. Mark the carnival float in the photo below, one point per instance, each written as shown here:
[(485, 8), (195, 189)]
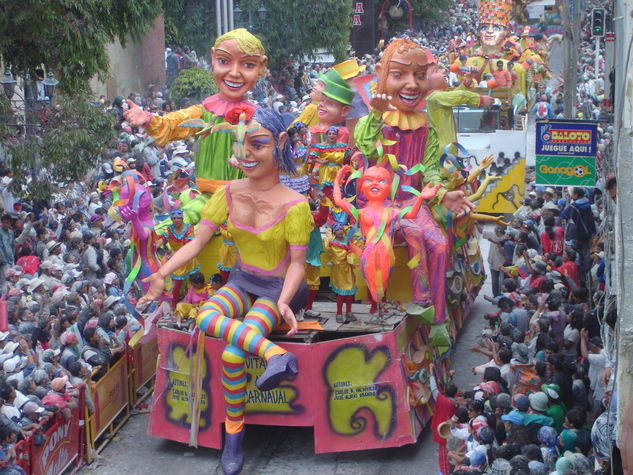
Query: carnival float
[(396, 215)]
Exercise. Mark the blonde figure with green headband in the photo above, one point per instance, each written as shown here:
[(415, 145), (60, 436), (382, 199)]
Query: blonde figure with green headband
[(239, 61)]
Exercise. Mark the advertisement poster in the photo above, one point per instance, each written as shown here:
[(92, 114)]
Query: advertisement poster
[(566, 153)]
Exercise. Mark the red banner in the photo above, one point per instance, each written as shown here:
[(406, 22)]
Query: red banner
[(60, 448)]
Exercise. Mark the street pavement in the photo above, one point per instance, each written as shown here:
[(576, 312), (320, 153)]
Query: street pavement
[(289, 450)]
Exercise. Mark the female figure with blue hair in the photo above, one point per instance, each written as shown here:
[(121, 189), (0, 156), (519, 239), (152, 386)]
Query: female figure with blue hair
[(271, 227)]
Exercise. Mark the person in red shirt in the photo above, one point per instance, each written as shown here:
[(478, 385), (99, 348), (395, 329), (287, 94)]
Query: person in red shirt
[(552, 237), (445, 408), (569, 268), (28, 262), (538, 271), (502, 76), (513, 76)]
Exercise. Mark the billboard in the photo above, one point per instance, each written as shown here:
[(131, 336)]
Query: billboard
[(566, 153)]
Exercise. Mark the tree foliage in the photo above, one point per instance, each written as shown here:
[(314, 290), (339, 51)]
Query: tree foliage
[(432, 10), (291, 29), (294, 28), (190, 23), (69, 36), (424, 12), (194, 83), (69, 140)]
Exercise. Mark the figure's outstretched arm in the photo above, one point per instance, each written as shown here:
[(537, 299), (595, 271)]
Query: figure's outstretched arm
[(482, 188), (338, 197), (165, 128), (180, 258), (485, 163), (485, 217), (428, 192)]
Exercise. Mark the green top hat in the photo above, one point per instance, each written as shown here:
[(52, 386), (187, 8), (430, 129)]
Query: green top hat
[(336, 88)]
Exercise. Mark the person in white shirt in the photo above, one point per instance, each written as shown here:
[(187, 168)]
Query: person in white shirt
[(592, 350)]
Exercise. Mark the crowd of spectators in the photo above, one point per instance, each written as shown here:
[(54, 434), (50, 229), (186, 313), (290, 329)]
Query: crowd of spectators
[(543, 402)]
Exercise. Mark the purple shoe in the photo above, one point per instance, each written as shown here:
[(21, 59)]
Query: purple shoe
[(233, 453), (279, 367)]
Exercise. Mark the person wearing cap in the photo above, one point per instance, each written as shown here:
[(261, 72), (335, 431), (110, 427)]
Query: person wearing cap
[(537, 417), (537, 272), (9, 395), (556, 408), (517, 432), (59, 397), (499, 467), (96, 224), (238, 61), (12, 276), (524, 210), (592, 350), (53, 251), (55, 277)]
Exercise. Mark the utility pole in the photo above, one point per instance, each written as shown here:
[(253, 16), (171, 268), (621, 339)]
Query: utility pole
[(572, 15)]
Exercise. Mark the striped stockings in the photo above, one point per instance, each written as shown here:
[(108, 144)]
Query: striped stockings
[(217, 317)]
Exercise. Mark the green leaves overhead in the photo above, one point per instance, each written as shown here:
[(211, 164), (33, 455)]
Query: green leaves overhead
[(69, 36), (69, 142), (190, 23), (296, 28)]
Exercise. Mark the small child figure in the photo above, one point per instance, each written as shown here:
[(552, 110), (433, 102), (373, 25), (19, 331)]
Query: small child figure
[(199, 293), (330, 156), (216, 281), (342, 278)]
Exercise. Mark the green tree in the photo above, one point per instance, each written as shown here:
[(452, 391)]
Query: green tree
[(190, 23), (432, 10), (69, 36), (424, 12), (69, 140), (194, 83), (293, 28)]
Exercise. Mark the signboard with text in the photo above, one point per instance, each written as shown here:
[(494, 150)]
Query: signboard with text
[(566, 153)]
